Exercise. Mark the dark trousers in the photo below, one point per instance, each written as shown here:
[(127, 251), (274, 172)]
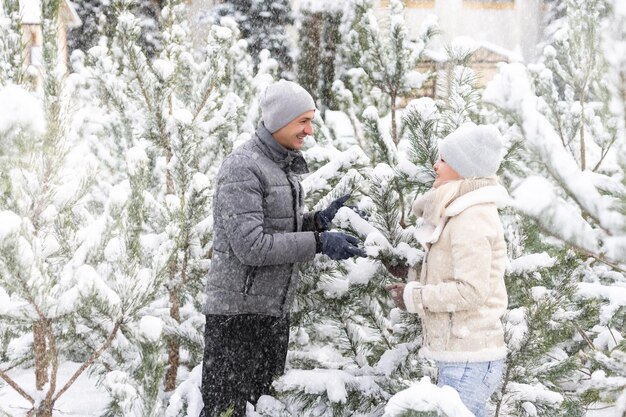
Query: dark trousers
[(242, 355)]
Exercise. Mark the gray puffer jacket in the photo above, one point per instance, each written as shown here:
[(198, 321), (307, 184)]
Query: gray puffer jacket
[(260, 229)]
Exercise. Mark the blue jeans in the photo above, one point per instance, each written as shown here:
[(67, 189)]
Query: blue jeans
[(474, 381)]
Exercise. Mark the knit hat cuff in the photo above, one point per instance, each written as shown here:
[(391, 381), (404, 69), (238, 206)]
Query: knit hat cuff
[(473, 151), (283, 102), (460, 161)]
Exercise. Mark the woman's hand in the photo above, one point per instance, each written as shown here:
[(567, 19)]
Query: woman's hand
[(395, 269), (397, 294)]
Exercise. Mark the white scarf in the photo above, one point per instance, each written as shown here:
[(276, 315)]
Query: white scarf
[(437, 205)]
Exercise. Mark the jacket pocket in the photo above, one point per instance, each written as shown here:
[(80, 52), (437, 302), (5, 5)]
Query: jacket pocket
[(459, 328), (435, 330), (449, 330), (248, 281)]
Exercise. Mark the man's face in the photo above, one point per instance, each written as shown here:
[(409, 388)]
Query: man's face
[(292, 135)]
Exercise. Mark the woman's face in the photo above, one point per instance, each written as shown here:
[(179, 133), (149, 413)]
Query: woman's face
[(444, 173)]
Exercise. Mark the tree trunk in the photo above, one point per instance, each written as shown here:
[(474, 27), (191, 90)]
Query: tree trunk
[(310, 59), (583, 164), (582, 99), (583, 153), (394, 128), (41, 355), (622, 89), (173, 355), (44, 409)]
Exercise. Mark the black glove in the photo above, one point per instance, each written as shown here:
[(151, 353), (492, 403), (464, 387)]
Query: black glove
[(324, 218), (339, 245)]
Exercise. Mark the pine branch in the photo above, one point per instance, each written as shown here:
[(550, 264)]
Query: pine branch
[(202, 103), (604, 152), (584, 336), (95, 355), (377, 320), (15, 386), (585, 213), (599, 257), (153, 109), (505, 382)]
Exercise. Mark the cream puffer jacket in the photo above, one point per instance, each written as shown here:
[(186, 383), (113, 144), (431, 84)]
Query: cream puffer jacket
[(460, 295)]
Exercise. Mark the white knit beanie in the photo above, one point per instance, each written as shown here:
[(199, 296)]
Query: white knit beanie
[(282, 102), (473, 151)]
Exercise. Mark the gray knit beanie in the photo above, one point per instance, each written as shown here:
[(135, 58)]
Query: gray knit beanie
[(282, 102), (473, 151)]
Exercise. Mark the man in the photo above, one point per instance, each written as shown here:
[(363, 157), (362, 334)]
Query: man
[(260, 233)]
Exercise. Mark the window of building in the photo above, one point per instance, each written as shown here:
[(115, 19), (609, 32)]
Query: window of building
[(489, 4), (412, 4)]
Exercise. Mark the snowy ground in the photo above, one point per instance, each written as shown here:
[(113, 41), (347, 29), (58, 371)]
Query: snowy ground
[(84, 399)]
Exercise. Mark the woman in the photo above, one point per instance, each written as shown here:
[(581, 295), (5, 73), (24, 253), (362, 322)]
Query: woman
[(460, 294)]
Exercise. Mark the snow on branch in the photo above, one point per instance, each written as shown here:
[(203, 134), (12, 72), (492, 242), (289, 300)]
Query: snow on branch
[(424, 396), (537, 197), (333, 383), (347, 159), (616, 297), (575, 223)]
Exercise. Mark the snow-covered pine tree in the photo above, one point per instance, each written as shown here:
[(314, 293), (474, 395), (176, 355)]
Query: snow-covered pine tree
[(264, 25), (552, 314), (310, 48), (425, 122), (569, 88), (319, 41), (385, 60), (149, 14), (96, 16), (50, 290), (98, 20), (332, 40), (610, 380), (543, 319), (11, 47), (569, 191), (179, 110)]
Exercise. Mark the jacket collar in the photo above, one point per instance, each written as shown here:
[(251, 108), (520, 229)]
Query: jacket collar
[(428, 233), (287, 159), (496, 194)]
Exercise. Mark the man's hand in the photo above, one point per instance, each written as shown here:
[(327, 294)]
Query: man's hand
[(397, 294), (340, 246), (324, 218)]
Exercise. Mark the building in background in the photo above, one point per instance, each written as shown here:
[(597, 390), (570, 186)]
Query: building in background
[(515, 26), (505, 30), (32, 36), (512, 25)]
